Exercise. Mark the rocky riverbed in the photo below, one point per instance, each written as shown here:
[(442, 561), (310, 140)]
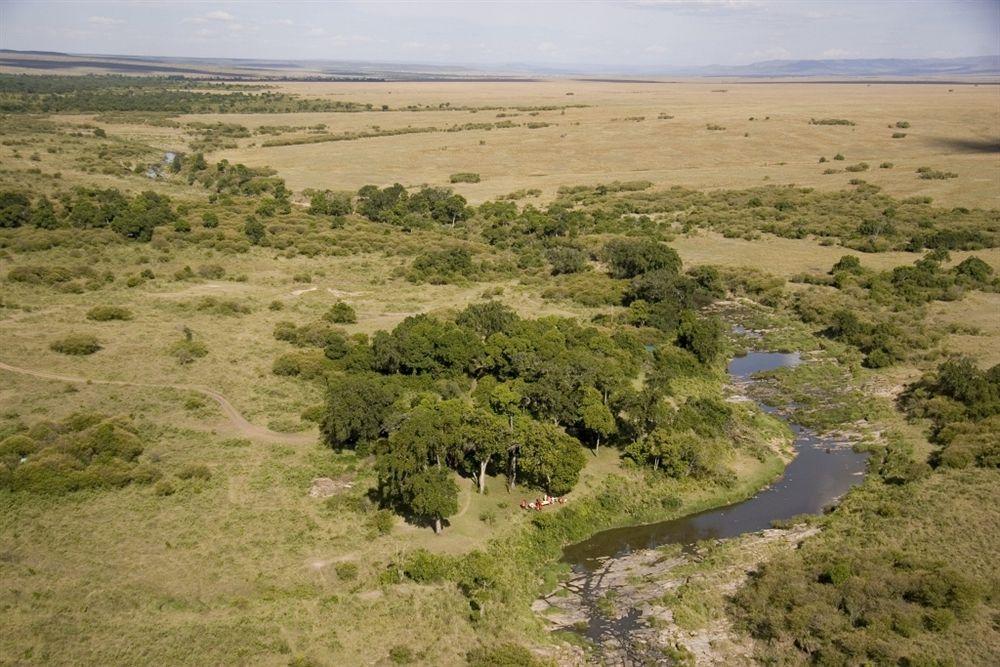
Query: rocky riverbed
[(661, 606)]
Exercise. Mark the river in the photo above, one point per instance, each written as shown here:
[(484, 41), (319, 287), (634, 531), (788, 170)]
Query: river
[(823, 470)]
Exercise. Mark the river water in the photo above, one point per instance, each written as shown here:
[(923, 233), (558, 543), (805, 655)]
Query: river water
[(823, 470)]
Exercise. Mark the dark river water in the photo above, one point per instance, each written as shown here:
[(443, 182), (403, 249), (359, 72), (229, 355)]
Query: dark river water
[(821, 472)]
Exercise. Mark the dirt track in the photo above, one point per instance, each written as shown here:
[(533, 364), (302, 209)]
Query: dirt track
[(238, 421)]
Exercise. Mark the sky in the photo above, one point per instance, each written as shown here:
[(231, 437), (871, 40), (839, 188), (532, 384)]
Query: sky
[(638, 34)]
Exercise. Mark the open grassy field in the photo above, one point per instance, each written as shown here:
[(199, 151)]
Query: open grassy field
[(952, 127), (243, 566)]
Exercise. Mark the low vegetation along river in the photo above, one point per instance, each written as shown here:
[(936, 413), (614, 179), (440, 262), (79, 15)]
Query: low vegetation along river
[(821, 472)]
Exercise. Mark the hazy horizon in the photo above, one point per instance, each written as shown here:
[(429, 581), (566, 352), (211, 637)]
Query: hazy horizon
[(642, 34)]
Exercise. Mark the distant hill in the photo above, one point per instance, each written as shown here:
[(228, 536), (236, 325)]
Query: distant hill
[(938, 68), (861, 67)]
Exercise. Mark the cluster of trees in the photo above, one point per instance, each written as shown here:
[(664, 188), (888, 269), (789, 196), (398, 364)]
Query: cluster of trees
[(86, 450), (492, 393), (870, 311), (885, 223), (962, 403), (90, 208), (395, 205), (174, 95)]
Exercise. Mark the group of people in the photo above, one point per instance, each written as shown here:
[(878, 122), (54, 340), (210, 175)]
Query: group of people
[(542, 502)]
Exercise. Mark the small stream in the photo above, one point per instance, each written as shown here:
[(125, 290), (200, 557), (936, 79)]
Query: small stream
[(823, 470)]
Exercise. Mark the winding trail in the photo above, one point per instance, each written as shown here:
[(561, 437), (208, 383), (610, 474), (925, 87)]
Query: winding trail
[(237, 420)]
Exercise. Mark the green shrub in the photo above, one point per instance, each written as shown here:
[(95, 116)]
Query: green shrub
[(464, 177), (502, 655), (76, 344), (108, 313), (86, 450), (346, 571), (830, 121), (381, 522), (341, 313), (425, 567), (211, 271), (186, 351)]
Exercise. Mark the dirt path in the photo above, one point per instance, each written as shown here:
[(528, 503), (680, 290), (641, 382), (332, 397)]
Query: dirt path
[(238, 421)]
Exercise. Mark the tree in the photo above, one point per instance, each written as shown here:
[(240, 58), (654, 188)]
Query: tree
[(550, 457), (341, 313), (484, 435), (423, 344), (15, 209), (566, 259), (487, 318), (357, 410), (703, 336), (596, 417), (628, 258), (44, 215), (433, 494), (254, 230), (678, 452), (506, 399)]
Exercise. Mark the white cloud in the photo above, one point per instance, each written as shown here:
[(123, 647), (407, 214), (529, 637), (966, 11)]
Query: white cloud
[(547, 47), (219, 16), (104, 20), (838, 53), (315, 32), (655, 49)]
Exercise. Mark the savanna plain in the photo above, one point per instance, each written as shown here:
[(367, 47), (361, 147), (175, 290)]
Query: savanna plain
[(281, 361)]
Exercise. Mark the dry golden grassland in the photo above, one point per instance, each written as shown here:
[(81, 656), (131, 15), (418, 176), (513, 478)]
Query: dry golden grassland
[(952, 127), (243, 568)]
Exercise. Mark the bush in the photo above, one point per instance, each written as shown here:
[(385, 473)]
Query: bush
[(440, 267), (341, 313), (186, 351), (76, 344), (86, 450), (381, 522), (425, 567), (211, 271), (502, 655), (464, 177), (108, 313), (401, 655), (346, 571), (929, 174), (566, 259)]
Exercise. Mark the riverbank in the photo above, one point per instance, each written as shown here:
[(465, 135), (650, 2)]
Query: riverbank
[(666, 603)]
